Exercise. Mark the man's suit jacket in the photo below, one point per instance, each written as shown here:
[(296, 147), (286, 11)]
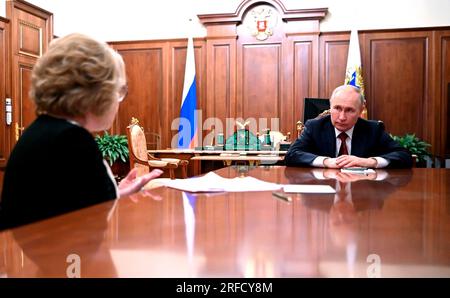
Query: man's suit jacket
[(369, 140)]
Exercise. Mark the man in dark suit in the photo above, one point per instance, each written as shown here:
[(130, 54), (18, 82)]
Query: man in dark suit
[(343, 139)]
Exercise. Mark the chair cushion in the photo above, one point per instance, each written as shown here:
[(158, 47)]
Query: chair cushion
[(171, 160), (157, 163)]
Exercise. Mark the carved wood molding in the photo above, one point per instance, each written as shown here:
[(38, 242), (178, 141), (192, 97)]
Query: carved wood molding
[(286, 14), (3, 20), (31, 8), (27, 30), (31, 27)]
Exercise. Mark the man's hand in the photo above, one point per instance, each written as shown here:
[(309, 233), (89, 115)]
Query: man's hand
[(346, 161), (330, 163), (131, 184)]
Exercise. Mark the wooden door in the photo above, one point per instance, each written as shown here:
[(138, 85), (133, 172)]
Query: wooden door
[(31, 32), (4, 93)]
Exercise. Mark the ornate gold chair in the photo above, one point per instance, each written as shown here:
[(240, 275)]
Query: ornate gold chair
[(141, 159)]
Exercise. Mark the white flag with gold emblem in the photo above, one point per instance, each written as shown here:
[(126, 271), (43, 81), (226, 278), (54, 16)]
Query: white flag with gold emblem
[(353, 74)]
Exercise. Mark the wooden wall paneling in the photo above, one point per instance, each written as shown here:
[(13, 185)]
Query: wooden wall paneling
[(333, 61), (304, 76), (177, 58), (259, 76), (147, 70), (220, 100), (31, 32), (289, 79), (446, 97), (155, 74), (200, 66), (4, 93), (259, 82), (398, 86), (264, 60), (301, 70), (442, 94)]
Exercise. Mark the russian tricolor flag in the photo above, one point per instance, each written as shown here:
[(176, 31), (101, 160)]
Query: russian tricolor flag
[(187, 130)]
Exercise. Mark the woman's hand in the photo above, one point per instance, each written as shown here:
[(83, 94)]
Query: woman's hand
[(132, 184)]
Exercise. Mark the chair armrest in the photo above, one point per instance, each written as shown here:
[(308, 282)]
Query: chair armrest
[(161, 164), (171, 160)]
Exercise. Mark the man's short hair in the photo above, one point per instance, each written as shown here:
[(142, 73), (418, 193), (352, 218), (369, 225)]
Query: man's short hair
[(355, 88)]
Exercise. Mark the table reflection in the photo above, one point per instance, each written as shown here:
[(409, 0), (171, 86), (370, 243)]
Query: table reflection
[(342, 208), (400, 218)]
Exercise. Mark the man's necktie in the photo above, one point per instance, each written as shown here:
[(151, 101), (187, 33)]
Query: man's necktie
[(343, 150)]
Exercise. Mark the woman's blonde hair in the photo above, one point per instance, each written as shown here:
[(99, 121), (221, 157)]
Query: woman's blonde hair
[(76, 75)]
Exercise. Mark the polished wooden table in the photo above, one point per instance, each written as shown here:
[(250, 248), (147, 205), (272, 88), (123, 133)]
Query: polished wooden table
[(396, 227)]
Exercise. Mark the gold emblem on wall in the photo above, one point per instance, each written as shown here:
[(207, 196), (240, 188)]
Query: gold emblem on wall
[(261, 20)]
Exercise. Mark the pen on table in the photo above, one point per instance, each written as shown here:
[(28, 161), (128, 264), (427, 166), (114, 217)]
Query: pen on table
[(281, 196)]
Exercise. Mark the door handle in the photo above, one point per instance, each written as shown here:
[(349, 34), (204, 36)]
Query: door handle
[(18, 130)]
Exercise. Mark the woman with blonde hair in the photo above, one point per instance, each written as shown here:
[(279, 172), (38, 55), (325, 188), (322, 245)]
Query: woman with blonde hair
[(56, 166)]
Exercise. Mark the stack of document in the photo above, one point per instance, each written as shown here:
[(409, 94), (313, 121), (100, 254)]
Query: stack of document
[(212, 182)]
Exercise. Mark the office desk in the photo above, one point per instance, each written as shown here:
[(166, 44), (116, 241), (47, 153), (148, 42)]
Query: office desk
[(401, 224), (251, 160), (203, 161)]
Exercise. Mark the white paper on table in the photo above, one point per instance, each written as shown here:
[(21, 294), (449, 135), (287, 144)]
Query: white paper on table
[(308, 188), (212, 182)]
